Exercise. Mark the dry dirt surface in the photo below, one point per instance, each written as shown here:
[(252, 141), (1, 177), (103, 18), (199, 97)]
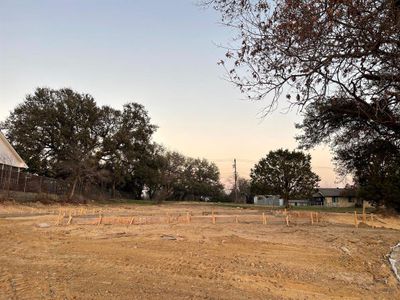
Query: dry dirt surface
[(176, 252)]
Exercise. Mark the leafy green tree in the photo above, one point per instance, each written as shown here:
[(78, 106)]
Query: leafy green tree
[(201, 178), (57, 133), (150, 172), (126, 146), (64, 134), (285, 173), (182, 177), (173, 175), (375, 166)]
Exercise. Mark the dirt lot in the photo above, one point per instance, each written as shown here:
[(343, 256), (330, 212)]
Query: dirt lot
[(161, 256)]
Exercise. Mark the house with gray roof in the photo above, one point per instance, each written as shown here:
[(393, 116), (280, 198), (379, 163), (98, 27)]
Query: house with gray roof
[(334, 197)]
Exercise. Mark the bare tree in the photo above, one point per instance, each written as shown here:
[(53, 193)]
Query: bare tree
[(318, 52), (335, 60)]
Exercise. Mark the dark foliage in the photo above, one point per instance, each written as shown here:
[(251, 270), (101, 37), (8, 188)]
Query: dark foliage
[(185, 178), (338, 61), (285, 173), (64, 134)]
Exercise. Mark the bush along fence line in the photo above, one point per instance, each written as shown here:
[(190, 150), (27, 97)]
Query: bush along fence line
[(19, 185)]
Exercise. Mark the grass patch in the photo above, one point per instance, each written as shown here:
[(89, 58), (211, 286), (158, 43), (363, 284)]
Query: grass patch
[(332, 209), (126, 201), (235, 205), (298, 208)]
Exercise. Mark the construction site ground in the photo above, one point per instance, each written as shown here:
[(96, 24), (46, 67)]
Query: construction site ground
[(193, 251)]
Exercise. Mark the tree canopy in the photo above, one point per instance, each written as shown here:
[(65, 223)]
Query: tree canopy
[(317, 51), (376, 166), (186, 178), (285, 173), (65, 134), (337, 61)]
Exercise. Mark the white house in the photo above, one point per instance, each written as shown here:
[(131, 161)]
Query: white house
[(270, 200), (8, 155)]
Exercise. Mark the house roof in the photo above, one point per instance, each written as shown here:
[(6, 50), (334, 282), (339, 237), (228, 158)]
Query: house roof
[(299, 200), (8, 155), (334, 192)]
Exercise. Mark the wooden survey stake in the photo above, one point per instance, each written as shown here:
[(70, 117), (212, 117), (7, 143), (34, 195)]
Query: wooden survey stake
[(100, 219), (364, 216), (355, 219), (264, 219)]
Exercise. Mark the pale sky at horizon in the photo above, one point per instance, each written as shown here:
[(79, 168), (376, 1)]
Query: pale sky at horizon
[(161, 54)]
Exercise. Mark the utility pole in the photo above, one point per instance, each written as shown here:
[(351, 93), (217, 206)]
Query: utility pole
[(236, 177)]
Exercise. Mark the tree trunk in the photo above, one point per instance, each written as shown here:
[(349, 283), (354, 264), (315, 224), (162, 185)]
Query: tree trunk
[(72, 193), (113, 190), (286, 200)]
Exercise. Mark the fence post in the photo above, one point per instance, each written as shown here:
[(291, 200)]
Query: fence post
[(2, 176), (48, 187), (355, 219), (25, 182), (40, 184), (9, 183), (19, 171)]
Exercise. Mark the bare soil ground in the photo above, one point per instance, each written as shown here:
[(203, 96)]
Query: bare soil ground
[(154, 259)]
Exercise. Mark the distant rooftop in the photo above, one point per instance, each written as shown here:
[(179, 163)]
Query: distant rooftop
[(334, 192)]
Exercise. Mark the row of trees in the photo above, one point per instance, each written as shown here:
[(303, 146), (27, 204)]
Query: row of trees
[(65, 134), (338, 62), (179, 177)]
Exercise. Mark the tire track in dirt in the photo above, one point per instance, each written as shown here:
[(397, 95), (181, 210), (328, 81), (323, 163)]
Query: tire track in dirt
[(7, 286), (205, 261), (14, 286), (394, 260)]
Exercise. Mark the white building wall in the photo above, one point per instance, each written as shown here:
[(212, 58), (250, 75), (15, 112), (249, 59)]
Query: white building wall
[(8, 156)]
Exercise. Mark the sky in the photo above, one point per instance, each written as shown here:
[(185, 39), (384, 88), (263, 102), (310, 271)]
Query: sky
[(162, 54)]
